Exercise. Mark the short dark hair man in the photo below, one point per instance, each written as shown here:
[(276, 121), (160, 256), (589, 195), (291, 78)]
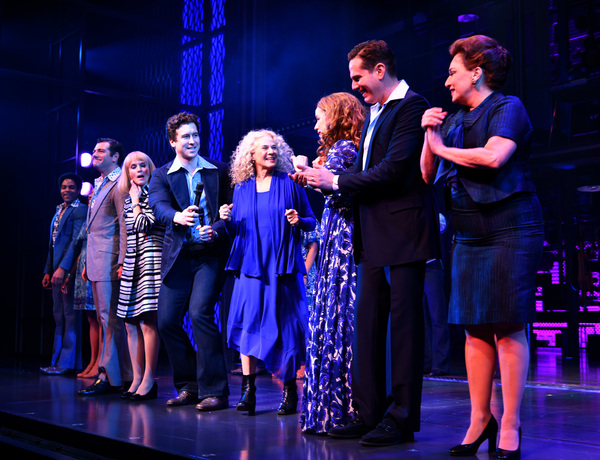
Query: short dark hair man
[(106, 246), (64, 229), (395, 232), (193, 260)]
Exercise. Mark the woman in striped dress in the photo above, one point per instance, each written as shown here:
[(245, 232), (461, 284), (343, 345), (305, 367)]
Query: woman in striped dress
[(140, 280)]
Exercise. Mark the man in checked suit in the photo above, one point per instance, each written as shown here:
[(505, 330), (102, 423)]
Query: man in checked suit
[(395, 233), (195, 249), (106, 246)]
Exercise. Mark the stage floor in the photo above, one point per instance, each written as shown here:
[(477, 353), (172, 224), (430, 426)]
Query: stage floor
[(560, 417)]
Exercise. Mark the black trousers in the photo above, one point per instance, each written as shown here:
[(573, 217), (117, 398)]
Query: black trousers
[(400, 300)]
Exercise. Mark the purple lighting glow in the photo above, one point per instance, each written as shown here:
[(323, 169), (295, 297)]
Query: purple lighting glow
[(467, 17), (86, 188), (85, 160)]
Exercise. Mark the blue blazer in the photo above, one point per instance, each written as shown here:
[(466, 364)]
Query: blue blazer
[(394, 215), (168, 194), (68, 230)]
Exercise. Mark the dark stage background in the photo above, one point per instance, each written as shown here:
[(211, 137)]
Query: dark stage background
[(73, 71)]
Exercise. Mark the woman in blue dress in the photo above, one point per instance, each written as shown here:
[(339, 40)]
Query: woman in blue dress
[(268, 314), (481, 154), (327, 394)]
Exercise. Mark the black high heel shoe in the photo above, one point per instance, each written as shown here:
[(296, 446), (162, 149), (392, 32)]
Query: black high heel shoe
[(152, 394), (510, 454), (490, 433)]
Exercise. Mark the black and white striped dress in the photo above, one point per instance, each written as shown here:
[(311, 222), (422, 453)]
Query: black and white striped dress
[(140, 281)]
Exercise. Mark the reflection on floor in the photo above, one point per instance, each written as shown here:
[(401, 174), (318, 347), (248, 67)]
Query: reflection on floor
[(560, 417)]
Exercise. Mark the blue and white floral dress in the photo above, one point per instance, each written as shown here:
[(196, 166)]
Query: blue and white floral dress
[(327, 393)]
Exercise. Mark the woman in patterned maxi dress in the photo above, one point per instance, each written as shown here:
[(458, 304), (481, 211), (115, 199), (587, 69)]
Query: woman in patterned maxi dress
[(327, 394)]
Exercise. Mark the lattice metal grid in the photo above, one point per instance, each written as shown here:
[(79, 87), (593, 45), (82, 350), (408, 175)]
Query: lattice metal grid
[(215, 141), (218, 14), (193, 15), (191, 76), (217, 76)]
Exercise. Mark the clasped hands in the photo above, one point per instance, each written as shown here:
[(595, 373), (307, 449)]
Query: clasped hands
[(431, 121)]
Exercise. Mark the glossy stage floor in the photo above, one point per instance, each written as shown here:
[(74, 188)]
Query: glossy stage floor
[(42, 415)]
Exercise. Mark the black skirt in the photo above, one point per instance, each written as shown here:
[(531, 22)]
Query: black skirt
[(497, 254)]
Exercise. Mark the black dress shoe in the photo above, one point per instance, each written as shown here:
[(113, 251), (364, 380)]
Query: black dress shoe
[(126, 395), (183, 399), (55, 370), (99, 387), (356, 428), (386, 434), (152, 394), (213, 403), (437, 373)]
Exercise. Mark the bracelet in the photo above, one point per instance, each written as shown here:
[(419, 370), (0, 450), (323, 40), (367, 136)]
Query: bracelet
[(136, 204), (68, 276)]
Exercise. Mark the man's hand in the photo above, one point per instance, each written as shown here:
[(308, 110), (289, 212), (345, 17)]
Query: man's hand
[(317, 177), (58, 277), (207, 234), (46, 281), (187, 217)]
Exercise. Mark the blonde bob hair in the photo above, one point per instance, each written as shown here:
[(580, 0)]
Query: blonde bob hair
[(242, 164), (125, 179)]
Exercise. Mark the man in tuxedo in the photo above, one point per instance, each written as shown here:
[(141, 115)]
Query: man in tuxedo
[(64, 229), (395, 233), (186, 195), (106, 247)]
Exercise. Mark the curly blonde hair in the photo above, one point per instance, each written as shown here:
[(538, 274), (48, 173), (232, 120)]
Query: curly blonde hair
[(345, 116), (242, 165), (125, 179)]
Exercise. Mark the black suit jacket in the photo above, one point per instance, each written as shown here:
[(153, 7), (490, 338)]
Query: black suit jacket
[(395, 219), (168, 193)]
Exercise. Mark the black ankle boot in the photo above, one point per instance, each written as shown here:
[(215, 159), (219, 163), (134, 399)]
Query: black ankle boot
[(247, 402), (289, 402)]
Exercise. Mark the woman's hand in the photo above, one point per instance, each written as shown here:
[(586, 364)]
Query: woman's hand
[(292, 217), (319, 161), (433, 117), (434, 140), (134, 192), (66, 283), (225, 212), (299, 160)]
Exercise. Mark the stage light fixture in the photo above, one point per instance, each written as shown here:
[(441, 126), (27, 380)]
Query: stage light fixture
[(86, 188), (85, 160)]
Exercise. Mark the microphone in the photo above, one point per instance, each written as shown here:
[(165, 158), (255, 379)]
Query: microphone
[(198, 192)]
